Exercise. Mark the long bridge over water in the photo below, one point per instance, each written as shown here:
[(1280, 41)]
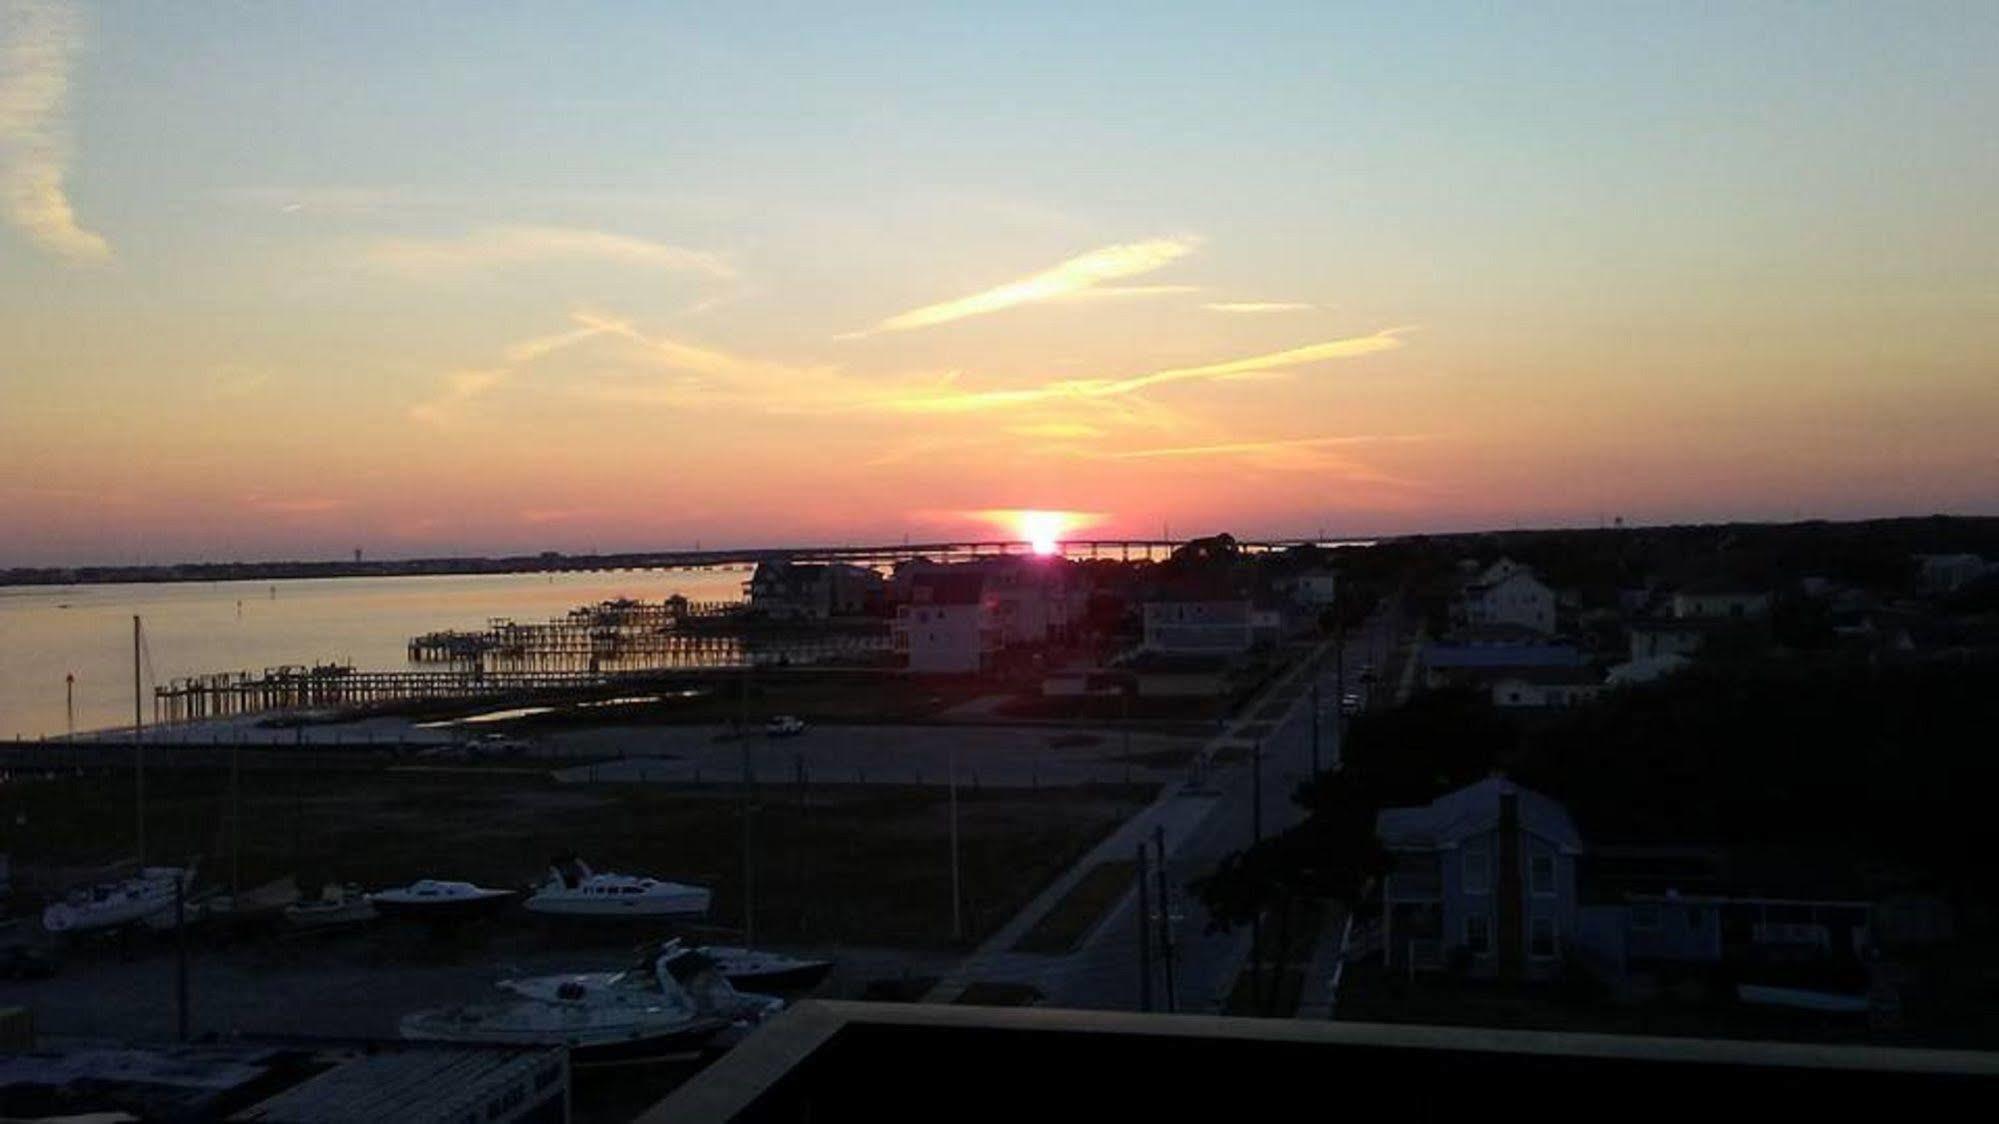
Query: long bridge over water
[(1129, 550)]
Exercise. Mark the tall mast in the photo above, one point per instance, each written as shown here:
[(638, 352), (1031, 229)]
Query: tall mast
[(138, 742)]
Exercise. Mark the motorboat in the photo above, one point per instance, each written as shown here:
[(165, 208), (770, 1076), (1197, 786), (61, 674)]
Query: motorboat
[(438, 901), (675, 1002), (111, 905), (744, 968), (574, 890), (760, 970), (336, 905), (256, 906)]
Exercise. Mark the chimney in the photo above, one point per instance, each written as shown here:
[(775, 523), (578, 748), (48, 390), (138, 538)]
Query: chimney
[(1511, 906)]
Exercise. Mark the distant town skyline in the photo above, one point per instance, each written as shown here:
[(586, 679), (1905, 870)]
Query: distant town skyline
[(282, 281)]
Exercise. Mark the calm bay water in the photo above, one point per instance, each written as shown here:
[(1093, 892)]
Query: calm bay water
[(192, 628)]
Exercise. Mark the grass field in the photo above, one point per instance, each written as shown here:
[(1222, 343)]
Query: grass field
[(847, 864), (1078, 912)]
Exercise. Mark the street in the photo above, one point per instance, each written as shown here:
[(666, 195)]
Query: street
[(1201, 827)]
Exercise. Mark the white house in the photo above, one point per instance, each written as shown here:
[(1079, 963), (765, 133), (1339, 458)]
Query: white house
[(1517, 597), (1943, 573), (1199, 627), (1485, 875), (1314, 588), (1035, 599), (948, 626)]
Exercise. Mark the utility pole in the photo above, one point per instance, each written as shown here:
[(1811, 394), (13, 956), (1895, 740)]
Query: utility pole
[(69, 702), (1144, 937), (1315, 724), (236, 826), (138, 744), (957, 898), (749, 809), (180, 951), (1256, 793), (1165, 917)]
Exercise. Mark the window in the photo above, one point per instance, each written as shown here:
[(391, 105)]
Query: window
[(1477, 858), (1478, 934), (1541, 942), (1645, 915), (1541, 875)]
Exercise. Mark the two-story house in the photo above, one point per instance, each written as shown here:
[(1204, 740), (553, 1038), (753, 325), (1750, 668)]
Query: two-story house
[(1199, 626), (948, 626), (1483, 878), (1514, 597)]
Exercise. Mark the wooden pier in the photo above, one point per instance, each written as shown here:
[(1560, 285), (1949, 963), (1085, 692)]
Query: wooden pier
[(580, 666)]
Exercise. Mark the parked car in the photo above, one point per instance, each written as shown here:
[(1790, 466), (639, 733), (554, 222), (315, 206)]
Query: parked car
[(784, 726), (21, 962), (499, 745)]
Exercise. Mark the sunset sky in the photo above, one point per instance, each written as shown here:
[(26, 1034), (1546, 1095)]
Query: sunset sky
[(284, 280)]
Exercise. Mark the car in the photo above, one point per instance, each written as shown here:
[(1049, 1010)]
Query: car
[(21, 962), (784, 726)]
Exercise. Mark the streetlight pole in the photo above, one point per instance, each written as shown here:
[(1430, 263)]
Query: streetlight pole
[(138, 745), (1315, 724), (957, 897)]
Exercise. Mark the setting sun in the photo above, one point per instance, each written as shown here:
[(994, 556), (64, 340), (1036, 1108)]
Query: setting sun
[(1042, 530)]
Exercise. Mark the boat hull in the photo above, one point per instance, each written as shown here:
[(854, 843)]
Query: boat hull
[(605, 908), (440, 911)]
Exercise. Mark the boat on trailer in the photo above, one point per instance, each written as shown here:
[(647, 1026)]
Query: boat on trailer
[(675, 1003), (115, 904), (574, 890), (439, 901)]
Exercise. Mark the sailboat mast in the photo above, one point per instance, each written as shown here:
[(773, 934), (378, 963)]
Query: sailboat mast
[(138, 742)]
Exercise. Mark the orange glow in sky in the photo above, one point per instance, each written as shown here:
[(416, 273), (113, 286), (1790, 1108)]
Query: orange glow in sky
[(1043, 531)]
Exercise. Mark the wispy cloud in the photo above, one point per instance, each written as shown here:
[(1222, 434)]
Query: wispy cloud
[(1077, 275), (296, 505), (652, 370), (1323, 455), (1239, 448), (38, 41), (498, 246), (460, 388), (1057, 431), (1258, 306), (1119, 292), (953, 401)]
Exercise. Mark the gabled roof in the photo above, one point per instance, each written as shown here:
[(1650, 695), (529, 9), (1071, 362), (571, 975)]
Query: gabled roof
[(1474, 810)]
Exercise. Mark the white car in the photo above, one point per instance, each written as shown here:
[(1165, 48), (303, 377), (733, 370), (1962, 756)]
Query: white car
[(784, 726)]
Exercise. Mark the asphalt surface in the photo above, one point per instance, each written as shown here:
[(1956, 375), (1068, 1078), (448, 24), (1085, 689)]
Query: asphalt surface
[(1202, 825)]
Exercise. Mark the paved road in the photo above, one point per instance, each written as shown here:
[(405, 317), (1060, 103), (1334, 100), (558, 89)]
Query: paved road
[(1201, 828)]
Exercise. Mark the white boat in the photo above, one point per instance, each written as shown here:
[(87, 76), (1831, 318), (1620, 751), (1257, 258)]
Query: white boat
[(336, 905), (675, 1003), (574, 890), (109, 905), (431, 899), (743, 968)]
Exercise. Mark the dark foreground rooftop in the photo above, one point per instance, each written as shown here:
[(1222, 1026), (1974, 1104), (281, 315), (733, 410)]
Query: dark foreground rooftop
[(862, 1061)]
